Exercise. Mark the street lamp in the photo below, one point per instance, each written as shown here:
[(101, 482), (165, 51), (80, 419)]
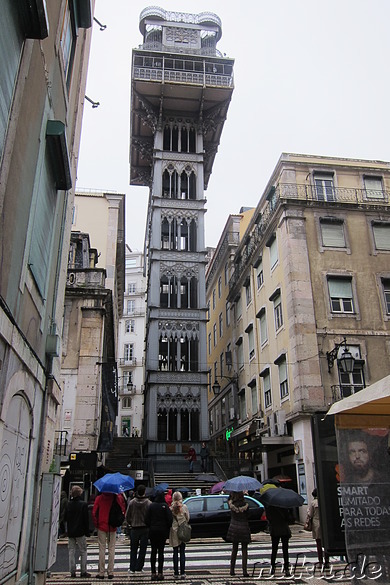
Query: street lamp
[(216, 387), (346, 360)]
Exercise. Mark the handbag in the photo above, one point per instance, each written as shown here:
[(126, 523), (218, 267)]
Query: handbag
[(308, 525), (184, 532)]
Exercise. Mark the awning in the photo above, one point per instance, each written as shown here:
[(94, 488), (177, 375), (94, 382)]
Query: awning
[(243, 429)]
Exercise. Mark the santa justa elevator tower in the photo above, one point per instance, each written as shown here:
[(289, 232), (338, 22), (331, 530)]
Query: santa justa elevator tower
[(181, 90)]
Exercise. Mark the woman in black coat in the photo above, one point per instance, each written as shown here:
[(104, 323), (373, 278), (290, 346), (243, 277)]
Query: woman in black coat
[(238, 531), (159, 520), (279, 530)]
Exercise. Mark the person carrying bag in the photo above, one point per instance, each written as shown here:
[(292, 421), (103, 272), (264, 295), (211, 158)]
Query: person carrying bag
[(179, 534)]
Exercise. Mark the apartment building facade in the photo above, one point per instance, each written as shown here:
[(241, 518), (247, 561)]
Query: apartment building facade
[(181, 89), (131, 348), (43, 67), (310, 284)]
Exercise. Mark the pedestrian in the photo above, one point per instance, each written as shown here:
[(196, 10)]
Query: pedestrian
[(139, 532), (76, 516), (180, 514), (191, 457), (159, 520), (239, 531), (63, 508), (106, 533), (313, 514), (204, 456), (280, 531)]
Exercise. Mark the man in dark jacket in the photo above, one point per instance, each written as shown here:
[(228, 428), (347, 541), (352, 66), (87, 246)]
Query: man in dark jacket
[(139, 532), (78, 530)]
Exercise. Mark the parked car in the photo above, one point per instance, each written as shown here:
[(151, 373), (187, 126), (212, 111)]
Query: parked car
[(210, 515)]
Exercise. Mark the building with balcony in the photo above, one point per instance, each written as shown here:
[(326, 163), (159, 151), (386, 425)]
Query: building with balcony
[(309, 288), (180, 94), (93, 307), (131, 347), (43, 67)]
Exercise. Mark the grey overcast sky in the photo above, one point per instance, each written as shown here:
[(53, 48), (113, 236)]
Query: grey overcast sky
[(311, 77)]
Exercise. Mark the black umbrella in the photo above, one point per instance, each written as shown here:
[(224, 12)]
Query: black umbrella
[(206, 477), (281, 498)]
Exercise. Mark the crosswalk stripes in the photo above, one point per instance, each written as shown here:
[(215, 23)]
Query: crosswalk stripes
[(205, 555)]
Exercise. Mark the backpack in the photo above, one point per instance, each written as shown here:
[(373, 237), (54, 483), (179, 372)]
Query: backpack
[(184, 532), (116, 516)]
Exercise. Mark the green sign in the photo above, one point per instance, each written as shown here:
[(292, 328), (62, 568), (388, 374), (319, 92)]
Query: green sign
[(228, 433)]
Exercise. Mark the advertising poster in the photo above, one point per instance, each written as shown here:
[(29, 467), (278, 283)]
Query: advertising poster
[(364, 495)]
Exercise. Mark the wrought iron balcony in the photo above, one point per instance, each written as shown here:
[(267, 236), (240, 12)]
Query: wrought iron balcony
[(340, 392), (306, 195), (199, 72)]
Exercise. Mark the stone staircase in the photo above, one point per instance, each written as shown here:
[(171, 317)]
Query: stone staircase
[(125, 451), (185, 480)]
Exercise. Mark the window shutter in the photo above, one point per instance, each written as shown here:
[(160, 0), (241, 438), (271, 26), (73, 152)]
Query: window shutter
[(340, 288), (382, 236), (11, 42), (282, 370), (42, 231), (333, 234)]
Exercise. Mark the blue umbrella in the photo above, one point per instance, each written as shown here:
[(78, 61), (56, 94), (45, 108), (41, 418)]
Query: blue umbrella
[(161, 486), (114, 483), (241, 483)]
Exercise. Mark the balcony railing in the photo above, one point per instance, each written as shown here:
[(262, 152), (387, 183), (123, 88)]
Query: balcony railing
[(127, 361), (309, 194), (340, 392), (61, 443)]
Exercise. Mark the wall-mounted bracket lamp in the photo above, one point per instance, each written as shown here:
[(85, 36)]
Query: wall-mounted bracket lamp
[(346, 360)]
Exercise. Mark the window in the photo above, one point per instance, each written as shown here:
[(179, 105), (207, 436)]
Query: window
[(283, 383), (226, 274), (248, 293), (277, 300), (129, 352), (263, 326), (238, 308), (332, 232), (386, 294), (219, 287), (267, 388), (242, 405), (220, 322), (240, 353), (126, 402), (131, 262), (340, 293), (324, 188), (227, 313), (130, 325), (215, 334), (214, 297), (68, 41), (131, 288), (215, 372), (351, 383), (381, 235), (255, 403), (373, 187), (260, 275), (130, 307), (208, 309), (221, 363), (273, 252), (209, 343), (251, 342)]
